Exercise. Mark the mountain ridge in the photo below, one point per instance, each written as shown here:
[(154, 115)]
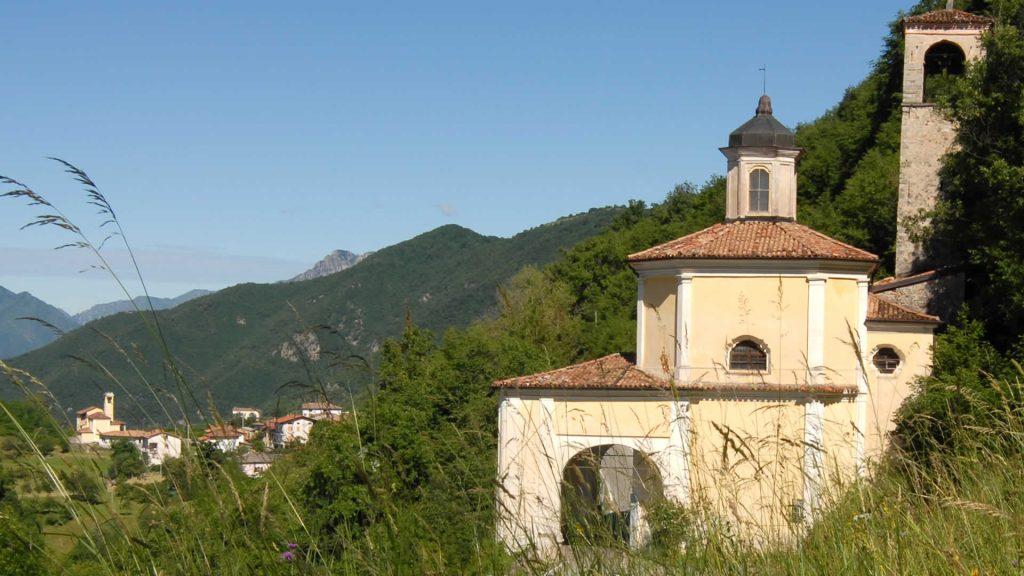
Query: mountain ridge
[(266, 344), (107, 308), (18, 332), (335, 261)]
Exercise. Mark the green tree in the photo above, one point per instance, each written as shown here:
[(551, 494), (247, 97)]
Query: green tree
[(980, 218), (125, 460), (960, 396), (20, 550), (83, 484)]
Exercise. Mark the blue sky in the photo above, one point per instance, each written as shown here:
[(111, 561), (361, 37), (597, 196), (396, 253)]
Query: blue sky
[(241, 142)]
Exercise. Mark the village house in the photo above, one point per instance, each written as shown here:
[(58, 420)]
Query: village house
[(290, 429), (160, 446), (224, 437), (245, 413), (155, 445), (136, 437), (317, 410), (767, 369), (256, 463)]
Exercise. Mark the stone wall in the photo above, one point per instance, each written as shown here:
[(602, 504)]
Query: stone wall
[(940, 294), (925, 138)]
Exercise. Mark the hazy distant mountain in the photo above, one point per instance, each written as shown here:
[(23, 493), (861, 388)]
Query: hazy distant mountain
[(100, 310), (334, 262), (20, 336)]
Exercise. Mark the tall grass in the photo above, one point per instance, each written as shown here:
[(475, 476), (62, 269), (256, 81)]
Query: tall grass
[(958, 511)]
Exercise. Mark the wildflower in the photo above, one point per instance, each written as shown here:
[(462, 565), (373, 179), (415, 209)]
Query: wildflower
[(292, 545), (287, 556)]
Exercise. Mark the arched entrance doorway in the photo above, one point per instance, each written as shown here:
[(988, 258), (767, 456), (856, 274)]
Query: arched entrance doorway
[(606, 491)]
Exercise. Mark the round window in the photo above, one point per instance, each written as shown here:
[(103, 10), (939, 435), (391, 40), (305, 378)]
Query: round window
[(886, 360)]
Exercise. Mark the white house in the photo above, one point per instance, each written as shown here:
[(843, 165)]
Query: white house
[(245, 413), (317, 410), (224, 438), (255, 463), (290, 429), (160, 446)]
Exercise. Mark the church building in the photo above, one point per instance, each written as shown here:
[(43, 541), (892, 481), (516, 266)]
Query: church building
[(767, 372)]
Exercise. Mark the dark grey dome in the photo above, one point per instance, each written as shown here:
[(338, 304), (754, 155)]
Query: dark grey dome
[(763, 129)]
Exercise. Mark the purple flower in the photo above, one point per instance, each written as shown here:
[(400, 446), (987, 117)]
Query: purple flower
[(287, 556), (292, 545)]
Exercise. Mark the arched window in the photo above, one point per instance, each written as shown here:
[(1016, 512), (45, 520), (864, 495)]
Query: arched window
[(943, 62), (759, 190), (887, 360), (748, 355)]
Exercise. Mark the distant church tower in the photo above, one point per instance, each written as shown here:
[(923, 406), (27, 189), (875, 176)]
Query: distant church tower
[(938, 45)]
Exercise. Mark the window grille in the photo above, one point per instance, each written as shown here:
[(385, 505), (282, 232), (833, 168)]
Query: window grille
[(748, 355)]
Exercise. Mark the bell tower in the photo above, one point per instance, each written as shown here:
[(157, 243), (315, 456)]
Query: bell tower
[(108, 405), (761, 177), (938, 45)]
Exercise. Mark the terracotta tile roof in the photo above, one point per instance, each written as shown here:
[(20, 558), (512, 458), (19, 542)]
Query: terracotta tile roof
[(618, 372), (257, 458), (89, 409), (894, 282), (947, 19), (273, 423), (699, 386), (125, 434), (320, 406), (220, 432), (755, 239), (612, 372), (95, 416), (882, 310)]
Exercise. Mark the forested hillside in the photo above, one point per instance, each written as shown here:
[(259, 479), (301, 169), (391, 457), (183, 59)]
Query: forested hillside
[(262, 344)]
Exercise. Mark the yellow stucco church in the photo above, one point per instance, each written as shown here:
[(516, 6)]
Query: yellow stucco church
[(767, 372), (764, 367)]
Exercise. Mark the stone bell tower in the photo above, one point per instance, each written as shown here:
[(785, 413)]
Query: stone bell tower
[(938, 45)]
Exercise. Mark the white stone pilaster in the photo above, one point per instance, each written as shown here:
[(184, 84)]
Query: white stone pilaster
[(546, 519), (684, 321), (677, 480), (863, 392), (813, 461), (815, 327), (512, 495), (640, 324)]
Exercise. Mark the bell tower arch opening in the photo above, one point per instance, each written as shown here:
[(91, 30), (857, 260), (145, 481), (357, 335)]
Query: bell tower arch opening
[(943, 63), (606, 491)]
